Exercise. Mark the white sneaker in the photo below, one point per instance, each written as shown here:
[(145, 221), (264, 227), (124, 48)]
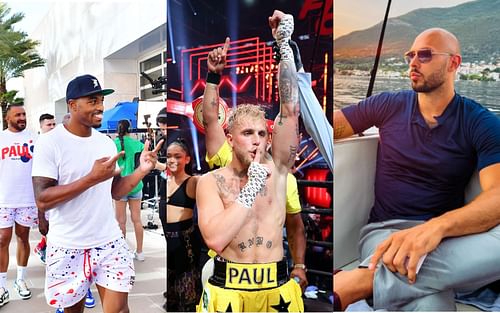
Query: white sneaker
[(4, 296), (22, 289), (139, 256)]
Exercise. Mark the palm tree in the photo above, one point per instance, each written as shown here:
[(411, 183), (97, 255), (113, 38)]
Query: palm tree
[(17, 54)]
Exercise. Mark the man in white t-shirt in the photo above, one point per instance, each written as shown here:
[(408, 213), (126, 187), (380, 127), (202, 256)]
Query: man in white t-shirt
[(47, 123), (75, 176), (17, 204)]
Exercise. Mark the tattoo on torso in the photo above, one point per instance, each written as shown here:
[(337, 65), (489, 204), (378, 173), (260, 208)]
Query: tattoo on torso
[(227, 190), (254, 241), (231, 189)]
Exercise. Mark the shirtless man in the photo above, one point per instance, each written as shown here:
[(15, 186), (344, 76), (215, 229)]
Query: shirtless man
[(219, 155), (246, 200)]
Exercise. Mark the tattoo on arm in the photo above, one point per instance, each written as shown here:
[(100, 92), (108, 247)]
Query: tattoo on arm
[(293, 154), (288, 89), (341, 126), (269, 244), (339, 131), (214, 102)]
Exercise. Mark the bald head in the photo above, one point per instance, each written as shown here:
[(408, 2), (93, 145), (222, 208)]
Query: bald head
[(66, 118), (439, 39), (435, 67)]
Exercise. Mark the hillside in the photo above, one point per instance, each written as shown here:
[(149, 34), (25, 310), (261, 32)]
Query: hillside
[(476, 24)]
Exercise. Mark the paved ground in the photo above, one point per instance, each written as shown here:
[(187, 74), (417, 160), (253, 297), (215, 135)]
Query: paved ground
[(146, 296)]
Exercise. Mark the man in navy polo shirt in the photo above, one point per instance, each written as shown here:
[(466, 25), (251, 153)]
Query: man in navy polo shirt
[(431, 141)]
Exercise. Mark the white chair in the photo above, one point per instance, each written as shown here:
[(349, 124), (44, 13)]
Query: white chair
[(355, 164)]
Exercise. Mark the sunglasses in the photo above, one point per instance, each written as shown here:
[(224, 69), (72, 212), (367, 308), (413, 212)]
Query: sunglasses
[(423, 55)]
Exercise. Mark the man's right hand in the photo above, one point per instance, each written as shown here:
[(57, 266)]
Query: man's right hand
[(216, 60), (104, 168), (43, 224)]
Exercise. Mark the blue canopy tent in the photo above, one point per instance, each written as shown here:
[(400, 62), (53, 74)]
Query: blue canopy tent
[(121, 111)]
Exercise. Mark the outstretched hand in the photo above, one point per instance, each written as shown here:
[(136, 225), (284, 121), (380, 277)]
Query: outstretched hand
[(148, 159), (105, 168), (216, 60)]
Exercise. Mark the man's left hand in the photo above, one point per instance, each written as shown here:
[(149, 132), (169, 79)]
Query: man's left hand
[(301, 274), (274, 21), (148, 158), (403, 249)]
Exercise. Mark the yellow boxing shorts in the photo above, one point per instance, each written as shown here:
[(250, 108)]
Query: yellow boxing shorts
[(240, 287)]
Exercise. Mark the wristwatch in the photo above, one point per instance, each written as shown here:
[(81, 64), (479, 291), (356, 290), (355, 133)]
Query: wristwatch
[(301, 266)]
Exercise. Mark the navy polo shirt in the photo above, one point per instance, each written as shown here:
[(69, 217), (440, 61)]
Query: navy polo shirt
[(422, 172)]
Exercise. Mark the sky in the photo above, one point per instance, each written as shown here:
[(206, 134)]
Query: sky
[(33, 11), (351, 15)]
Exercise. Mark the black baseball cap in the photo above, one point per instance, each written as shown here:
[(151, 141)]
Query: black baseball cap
[(83, 86)]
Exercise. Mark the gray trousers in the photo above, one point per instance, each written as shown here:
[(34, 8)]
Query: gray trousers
[(458, 264)]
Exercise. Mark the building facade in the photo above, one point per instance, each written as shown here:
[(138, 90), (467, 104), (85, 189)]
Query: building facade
[(114, 41)]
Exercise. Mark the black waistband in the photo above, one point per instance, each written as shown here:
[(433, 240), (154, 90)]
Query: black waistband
[(179, 226), (220, 279)]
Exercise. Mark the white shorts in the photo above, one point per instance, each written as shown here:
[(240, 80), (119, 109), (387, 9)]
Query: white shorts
[(70, 272), (26, 216)]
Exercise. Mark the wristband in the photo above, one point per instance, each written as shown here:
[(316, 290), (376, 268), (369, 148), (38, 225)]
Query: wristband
[(213, 78), (301, 266)]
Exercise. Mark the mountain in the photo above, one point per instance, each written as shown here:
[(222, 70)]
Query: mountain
[(476, 25)]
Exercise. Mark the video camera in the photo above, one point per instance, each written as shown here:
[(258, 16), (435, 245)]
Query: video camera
[(156, 84)]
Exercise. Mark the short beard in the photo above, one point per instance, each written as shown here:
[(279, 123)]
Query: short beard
[(242, 158), (97, 125), (433, 82), (19, 128)]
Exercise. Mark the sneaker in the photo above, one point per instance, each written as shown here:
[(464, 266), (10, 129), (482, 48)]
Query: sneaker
[(139, 256), (42, 253), (89, 300), (22, 289), (59, 310), (4, 296), (41, 250)]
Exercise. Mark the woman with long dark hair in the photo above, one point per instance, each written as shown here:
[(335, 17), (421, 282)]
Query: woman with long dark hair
[(127, 162), (183, 247)]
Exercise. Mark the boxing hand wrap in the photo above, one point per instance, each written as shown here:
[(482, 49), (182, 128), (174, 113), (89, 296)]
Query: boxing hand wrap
[(296, 54), (257, 174), (283, 35)]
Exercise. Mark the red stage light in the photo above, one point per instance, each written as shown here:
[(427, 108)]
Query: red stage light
[(246, 56)]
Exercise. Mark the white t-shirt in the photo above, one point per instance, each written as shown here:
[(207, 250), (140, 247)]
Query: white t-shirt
[(88, 220), (16, 154)]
